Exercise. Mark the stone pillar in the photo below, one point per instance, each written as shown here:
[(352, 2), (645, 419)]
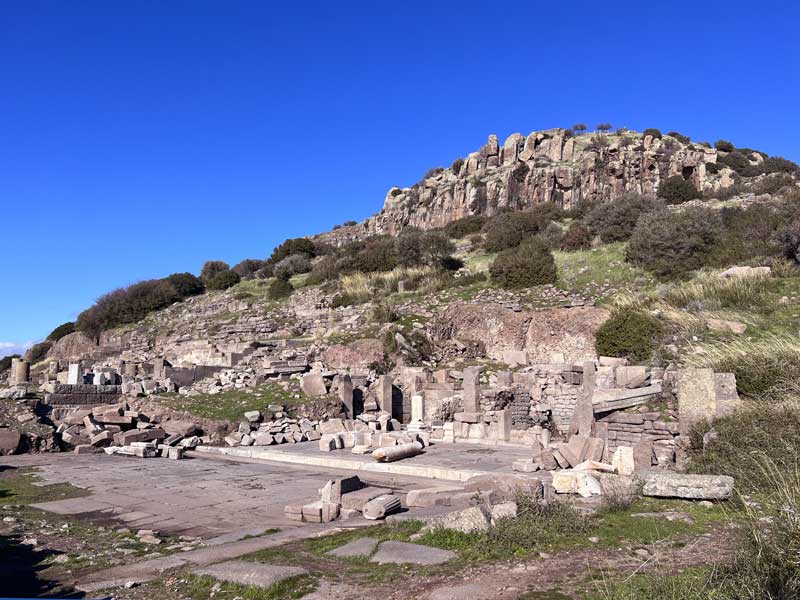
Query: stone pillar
[(417, 408), (52, 371), (504, 425), (12, 373), (505, 379), (158, 369), (22, 373), (471, 392), (696, 397), (75, 374), (582, 421), (346, 394), (383, 393)]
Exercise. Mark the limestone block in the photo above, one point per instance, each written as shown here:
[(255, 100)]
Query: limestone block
[(691, 487), (623, 461), (380, 507)]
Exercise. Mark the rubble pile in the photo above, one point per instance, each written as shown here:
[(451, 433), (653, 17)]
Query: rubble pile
[(344, 499), (119, 429), (277, 428), (367, 433)]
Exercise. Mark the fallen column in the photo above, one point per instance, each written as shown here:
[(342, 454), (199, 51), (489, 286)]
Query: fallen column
[(393, 453), (381, 506)]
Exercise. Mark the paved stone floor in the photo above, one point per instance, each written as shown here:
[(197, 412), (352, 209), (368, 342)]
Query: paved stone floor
[(219, 499)]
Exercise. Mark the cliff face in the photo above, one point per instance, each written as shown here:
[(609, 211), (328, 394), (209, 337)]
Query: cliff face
[(543, 166)]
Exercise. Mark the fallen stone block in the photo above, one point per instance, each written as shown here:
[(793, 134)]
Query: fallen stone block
[(525, 465), (622, 461), (102, 438), (504, 510), (468, 417), (357, 499), (468, 520), (689, 487), (435, 496), (504, 486)]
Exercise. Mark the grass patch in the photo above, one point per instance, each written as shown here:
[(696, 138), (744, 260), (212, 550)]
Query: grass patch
[(206, 587), (709, 292), (230, 405), (766, 368), (586, 270)]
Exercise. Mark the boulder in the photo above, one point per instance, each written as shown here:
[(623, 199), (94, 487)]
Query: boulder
[(9, 441)]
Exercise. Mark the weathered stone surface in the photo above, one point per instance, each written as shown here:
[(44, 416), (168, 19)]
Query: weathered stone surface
[(504, 486), (402, 552), (468, 520), (356, 500), (9, 441), (250, 573), (623, 460), (313, 385), (690, 487), (360, 547)]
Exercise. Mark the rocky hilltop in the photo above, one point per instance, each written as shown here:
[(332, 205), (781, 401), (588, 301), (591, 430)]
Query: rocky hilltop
[(545, 166)]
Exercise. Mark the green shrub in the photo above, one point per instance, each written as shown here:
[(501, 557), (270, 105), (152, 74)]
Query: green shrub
[(736, 161), (325, 269), (126, 305), (577, 237), (551, 235), (211, 268), (749, 233), (778, 164), (293, 246), (724, 146), (656, 133), (414, 247), (60, 331), (628, 334), (38, 352), (673, 244), (789, 240), (294, 264), (465, 226), (530, 264), (713, 168), (186, 284), (248, 268), (614, 221), (223, 280), (676, 190), (279, 289), (5, 362), (456, 166), (683, 139), (376, 254), (509, 229)]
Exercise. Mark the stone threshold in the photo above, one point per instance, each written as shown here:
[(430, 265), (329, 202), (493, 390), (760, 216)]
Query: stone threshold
[(398, 468)]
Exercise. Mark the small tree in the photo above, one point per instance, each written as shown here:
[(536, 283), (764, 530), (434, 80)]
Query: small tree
[(677, 190), (186, 284), (211, 268), (652, 131), (530, 264), (577, 237), (628, 334), (673, 244), (60, 331), (248, 268), (603, 127), (223, 280), (279, 289), (614, 221), (724, 146), (579, 128), (292, 265), (789, 239)]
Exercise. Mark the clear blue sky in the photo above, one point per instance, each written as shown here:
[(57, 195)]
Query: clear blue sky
[(142, 138)]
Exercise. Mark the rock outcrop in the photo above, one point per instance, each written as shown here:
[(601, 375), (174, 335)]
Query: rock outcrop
[(543, 166)]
